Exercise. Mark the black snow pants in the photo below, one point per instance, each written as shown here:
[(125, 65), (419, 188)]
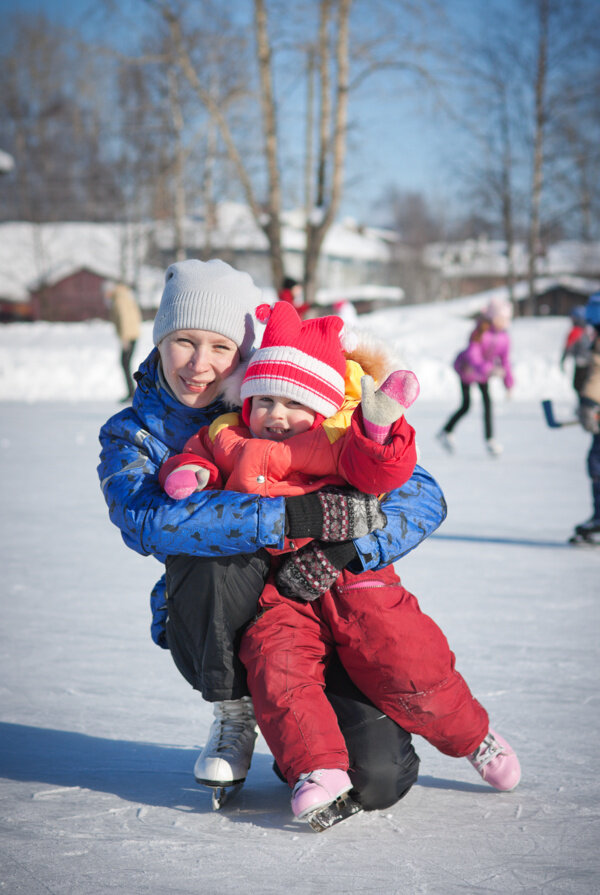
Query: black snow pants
[(126, 355), (465, 389), (210, 603)]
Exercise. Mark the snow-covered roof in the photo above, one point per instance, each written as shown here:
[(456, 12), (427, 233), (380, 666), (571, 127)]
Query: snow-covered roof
[(489, 257), (360, 293), (235, 228), (35, 254)]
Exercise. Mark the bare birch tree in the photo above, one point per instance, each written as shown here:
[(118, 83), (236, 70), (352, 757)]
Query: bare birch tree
[(539, 134), (528, 108), (332, 131), (327, 79)]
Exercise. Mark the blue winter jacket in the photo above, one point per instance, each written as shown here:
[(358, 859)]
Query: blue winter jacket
[(135, 443)]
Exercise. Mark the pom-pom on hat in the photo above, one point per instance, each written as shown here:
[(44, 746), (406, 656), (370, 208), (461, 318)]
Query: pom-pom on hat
[(208, 295), (498, 308), (302, 360)]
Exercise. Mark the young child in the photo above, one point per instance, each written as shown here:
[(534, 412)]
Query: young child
[(487, 355), (300, 433)]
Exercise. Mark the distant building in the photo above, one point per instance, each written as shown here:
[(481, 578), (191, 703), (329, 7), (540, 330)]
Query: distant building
[(564, 272), (57, 271), (72, 297), (352, 256)]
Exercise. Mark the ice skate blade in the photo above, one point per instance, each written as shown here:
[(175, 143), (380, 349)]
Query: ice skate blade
[(582, 540), (334, 813), (222, 794)]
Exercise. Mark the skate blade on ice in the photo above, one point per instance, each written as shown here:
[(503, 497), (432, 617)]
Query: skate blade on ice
[(589, 540), (221, 793), (338, 810)]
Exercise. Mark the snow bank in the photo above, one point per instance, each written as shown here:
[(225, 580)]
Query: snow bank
[(80, 361)]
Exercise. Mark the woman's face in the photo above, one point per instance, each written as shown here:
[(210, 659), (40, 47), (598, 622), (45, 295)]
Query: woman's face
[(195, 362)]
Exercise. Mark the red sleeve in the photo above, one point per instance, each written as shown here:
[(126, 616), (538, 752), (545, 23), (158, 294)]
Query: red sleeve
[(374, 468), (574, 335), (194, 451)]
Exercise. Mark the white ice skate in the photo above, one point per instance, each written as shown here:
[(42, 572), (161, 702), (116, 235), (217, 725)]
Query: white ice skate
[(493, 447), (225, 760), (446, 439)]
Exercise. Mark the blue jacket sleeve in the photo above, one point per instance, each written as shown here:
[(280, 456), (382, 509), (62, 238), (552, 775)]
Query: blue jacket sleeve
[(158, 606), (413, 512), (211, 523)]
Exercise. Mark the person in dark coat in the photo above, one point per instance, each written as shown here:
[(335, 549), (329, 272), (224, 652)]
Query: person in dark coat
[(578, 347), (589, 417), (291, 292)]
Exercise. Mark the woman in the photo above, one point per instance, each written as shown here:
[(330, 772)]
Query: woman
[(203, 329), (486, 355)]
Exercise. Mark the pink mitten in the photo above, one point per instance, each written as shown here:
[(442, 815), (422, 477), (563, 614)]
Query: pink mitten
[(185, 481), (385, 406)]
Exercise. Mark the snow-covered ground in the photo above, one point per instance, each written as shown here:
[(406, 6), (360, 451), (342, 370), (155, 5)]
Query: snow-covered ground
[(98, 733)]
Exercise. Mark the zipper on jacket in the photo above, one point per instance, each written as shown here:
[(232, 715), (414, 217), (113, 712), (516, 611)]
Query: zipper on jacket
[(369, 582)]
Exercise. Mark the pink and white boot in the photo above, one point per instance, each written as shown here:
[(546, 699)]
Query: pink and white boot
[(318, 789), (496, 762)]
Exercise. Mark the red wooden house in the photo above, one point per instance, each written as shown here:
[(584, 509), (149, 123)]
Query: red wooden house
[(73, 297)]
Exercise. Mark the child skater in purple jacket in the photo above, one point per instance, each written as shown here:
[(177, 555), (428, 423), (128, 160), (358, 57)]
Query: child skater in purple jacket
[(486, 355)]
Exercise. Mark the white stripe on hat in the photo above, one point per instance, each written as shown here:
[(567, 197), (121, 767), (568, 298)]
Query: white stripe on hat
[(287, 372), (289, 354)]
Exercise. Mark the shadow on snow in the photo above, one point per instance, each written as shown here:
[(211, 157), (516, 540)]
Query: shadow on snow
[(149, 773), (515, 542)]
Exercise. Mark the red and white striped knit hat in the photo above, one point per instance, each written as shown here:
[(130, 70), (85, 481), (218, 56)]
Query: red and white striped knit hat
[(298, 359)]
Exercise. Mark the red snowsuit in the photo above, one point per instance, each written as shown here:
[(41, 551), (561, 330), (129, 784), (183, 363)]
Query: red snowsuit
[(394, 653)]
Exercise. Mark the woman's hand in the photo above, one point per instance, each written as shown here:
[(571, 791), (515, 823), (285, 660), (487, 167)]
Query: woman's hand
[(333, 514)]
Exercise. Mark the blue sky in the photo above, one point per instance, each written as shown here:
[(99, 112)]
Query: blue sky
[(397, 142)]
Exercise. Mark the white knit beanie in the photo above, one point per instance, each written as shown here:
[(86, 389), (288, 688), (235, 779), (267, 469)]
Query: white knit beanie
[(209, 295), (498, 308)]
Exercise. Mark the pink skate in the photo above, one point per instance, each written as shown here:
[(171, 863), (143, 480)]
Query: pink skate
[(318, 789), (496, 762)]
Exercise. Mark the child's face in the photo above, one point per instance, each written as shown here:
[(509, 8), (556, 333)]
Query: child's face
[(279, 418), (500, 323)]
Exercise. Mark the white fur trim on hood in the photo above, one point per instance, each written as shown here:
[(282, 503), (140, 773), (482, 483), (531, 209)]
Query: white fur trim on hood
[(233, 384)]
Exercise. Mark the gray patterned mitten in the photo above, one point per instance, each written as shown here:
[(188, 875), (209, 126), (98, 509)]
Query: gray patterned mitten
[(311, 571)]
